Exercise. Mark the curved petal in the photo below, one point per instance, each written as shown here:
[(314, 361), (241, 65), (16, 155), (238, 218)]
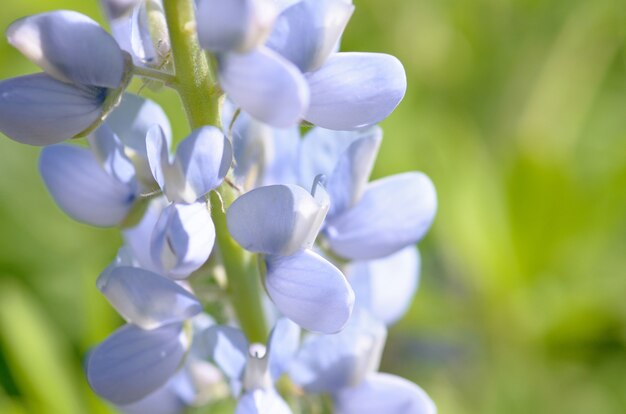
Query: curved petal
[(182, 239), (235, 25), (204, 158), (138, 238), (321, 150), (146, 299), (171, 398), (310, 291), (384, 393), (158, 155), (277, 219), (117, 8), (39, 110), (110, 152), (81, 188), (393, 213), (265, 85), (386, 287), (63, 42), (307, 32), (355, 90), (282, 346), (132, 363), (228, 348), (262, 401), (328, 363)]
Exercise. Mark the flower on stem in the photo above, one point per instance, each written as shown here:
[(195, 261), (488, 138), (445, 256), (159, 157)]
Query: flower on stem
[(69, 98), (296, 74), (281, 222)]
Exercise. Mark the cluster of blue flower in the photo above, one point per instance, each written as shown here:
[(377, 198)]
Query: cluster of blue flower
[(334, 251)]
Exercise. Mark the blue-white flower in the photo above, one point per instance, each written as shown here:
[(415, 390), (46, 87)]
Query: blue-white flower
[(297, 74), (96, 186), (70, 96), (282, 222), (254, 367), (345, 366), (173, 240), (202, 161), (367, 220)]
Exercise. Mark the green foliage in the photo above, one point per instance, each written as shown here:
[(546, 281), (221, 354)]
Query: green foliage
[(516, 110)]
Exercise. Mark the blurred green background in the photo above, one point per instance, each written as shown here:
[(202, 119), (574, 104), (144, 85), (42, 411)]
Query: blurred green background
[(516, 109)]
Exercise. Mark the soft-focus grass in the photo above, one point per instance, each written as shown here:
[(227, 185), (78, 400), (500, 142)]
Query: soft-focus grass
[(517, 110)]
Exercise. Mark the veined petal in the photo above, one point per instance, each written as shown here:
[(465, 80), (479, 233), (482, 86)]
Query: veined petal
[(262, 401), (282, 346), (276, 219), (328, 363), (109, 150), (307, 32), (132, 362), (204, 158), (321, 150), (355, 90), (384, 393), (81, 188), (146, 299), (228, 348), (182, 239), (265, 85), (385, 287), (393, 213), (63, 43), (310, 291), (39, 110), (235, 25)]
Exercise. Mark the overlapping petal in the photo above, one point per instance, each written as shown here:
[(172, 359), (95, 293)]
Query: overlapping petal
[(109, 150), (171, 398), (384, 393), (182, 239), (355, 90), (265, 85), (307, 32), (276, 219), (228, 348), (310, 291), (132, 362), (282, 346), (386, 287), (235, 25), (63, 42), (82, 188), (146, 299), (40, 110), (393, 213)]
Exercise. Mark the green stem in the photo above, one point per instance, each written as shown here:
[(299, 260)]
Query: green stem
[(202, 98), (154, 74)]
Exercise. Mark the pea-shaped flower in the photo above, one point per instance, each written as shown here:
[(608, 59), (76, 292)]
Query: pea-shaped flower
[(281, 222), (79, 84)]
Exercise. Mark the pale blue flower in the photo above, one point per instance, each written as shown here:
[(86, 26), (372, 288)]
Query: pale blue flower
[(48, 108)]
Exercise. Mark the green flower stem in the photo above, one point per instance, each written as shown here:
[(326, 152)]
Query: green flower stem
[(202, 98), (154, 74)]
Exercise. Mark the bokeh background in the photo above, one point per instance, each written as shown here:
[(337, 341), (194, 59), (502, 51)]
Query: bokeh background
[(516, 109)]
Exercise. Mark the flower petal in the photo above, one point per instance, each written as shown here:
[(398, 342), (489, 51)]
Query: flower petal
[(81, 188), (282, 346), (235, 25), (132, 362), (310, 291), (182, 239), (355, 90), (204, 158), (146, 299), (385, 287), (110, 152), (39, 110), (393, 213), (328, 363), (276, 219), (265, 85), (384, 393), (171, 398), (228, 348), (159, 157), (138, 238), (262, 401), (307, 32), (63, 42)]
